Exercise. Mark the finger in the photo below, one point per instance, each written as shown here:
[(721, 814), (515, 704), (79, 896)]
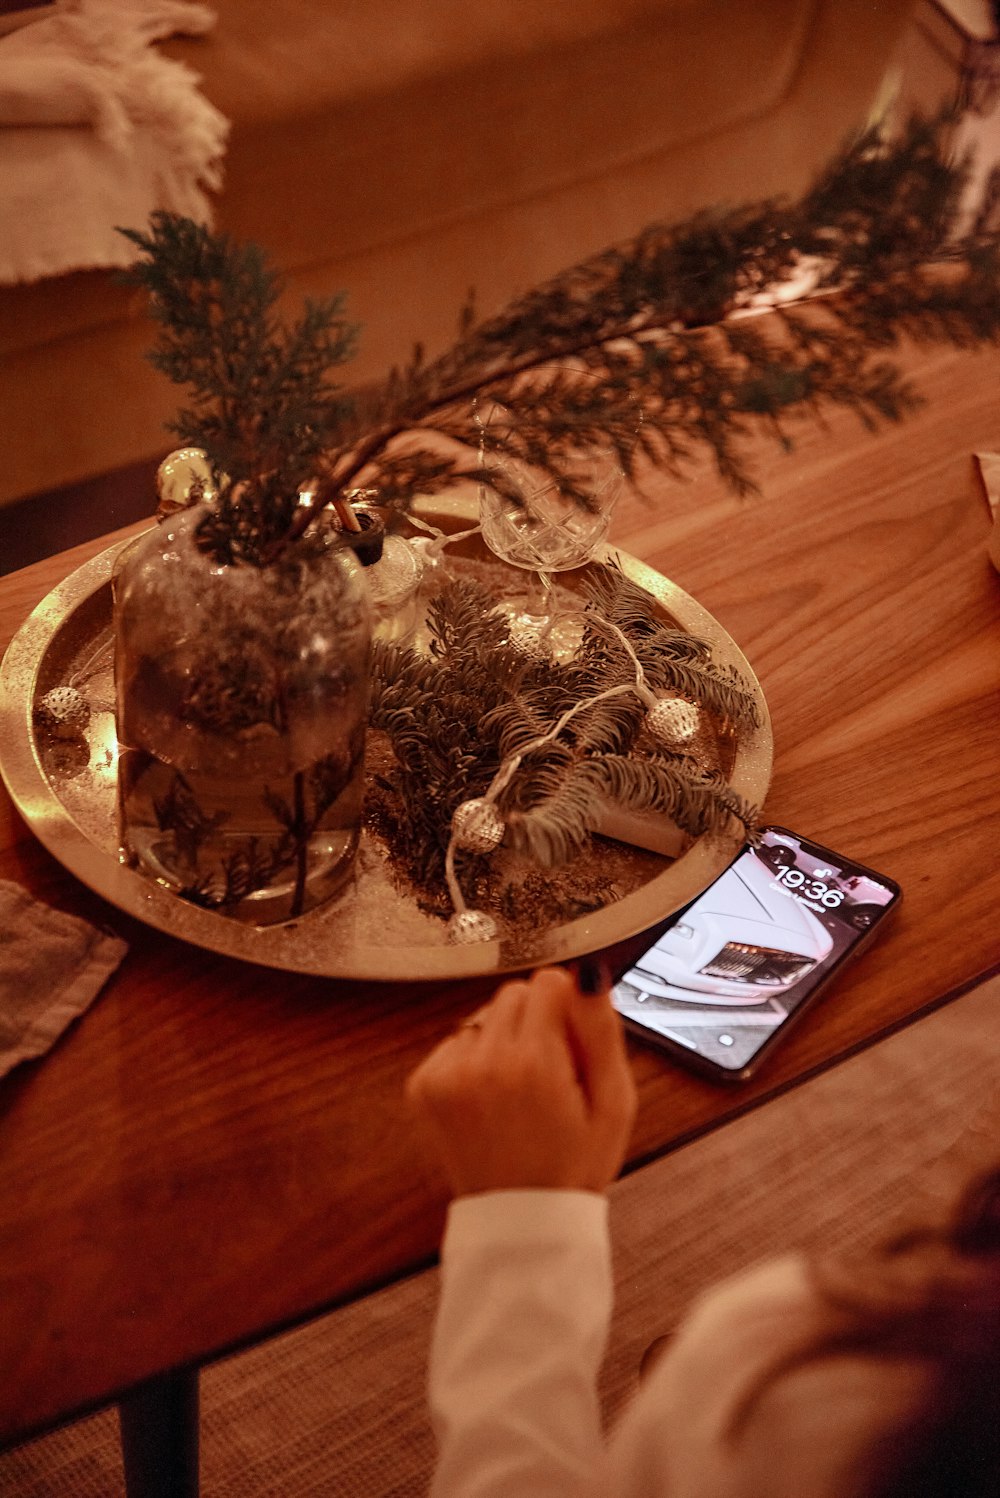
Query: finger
[(558, 990), (544, 1026), (504, 1014), (441, 1067), (503, 1008), (599, 1045), (550, 985)]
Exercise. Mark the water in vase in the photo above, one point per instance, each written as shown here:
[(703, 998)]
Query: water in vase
[(261, 848)]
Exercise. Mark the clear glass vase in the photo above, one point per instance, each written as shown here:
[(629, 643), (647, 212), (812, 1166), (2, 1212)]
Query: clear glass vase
[(242, 698)]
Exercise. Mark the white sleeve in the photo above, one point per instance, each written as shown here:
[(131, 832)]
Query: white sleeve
[(752, 1397), (521, 1327)]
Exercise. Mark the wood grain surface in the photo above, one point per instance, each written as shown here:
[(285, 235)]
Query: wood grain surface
[(215, 1149)]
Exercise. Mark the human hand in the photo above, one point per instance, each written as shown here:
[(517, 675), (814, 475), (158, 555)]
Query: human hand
[(535, 1092)]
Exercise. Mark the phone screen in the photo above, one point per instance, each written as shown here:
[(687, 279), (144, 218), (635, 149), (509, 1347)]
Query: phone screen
[(735, 965)]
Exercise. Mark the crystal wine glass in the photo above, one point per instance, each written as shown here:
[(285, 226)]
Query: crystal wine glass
[(531, 524)]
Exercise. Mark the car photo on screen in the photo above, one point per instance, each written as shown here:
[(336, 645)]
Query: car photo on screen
[(741, 958)]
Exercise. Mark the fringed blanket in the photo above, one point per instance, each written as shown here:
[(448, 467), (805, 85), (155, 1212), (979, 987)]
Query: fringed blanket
[(98, 130)]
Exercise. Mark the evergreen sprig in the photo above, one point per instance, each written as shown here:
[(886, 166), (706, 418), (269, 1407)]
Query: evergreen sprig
[(644, 353), (261, 400), (656, 327), (671, 659), (455, 715)]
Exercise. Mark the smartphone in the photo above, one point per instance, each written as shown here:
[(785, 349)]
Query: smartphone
[(721, 985)]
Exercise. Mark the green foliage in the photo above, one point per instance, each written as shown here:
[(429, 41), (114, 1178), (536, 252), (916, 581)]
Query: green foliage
[(644, 353), (262, 404), (656, 326), (558, 824), (454, 716)]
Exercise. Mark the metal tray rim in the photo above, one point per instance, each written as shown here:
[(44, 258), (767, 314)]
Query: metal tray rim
[(285, 947)]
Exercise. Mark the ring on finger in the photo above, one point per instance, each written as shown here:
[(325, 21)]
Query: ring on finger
[(473, 1022)]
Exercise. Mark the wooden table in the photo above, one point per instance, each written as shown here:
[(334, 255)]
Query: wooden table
[(216, 1150)]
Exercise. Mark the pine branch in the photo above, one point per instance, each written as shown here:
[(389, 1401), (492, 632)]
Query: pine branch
[(636, 355), (559, 824), (651, 323), (453, 717), (262, 403)]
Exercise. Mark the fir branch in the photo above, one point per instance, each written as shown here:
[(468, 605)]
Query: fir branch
[(461, 618), (262, 402), (648, 329), (651, 323), (672, 660), (609, 727), (558, 825), (631, 609), (696, 802), (513, 725), (453, 717), (720, 689)]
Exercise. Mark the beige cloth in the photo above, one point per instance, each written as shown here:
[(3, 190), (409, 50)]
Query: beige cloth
[(97, 130), (52, 966)]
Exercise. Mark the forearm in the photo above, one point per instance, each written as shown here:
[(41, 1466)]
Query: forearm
[(520, 1333)]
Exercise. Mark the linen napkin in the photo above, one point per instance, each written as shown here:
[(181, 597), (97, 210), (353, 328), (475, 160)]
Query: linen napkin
[(52, 966)]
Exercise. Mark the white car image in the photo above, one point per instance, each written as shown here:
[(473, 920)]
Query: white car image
[(746, 940)]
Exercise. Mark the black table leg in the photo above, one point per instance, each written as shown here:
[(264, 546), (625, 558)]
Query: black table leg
[(159, 1431)]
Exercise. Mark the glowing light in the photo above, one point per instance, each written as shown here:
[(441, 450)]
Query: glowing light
[(104, 741)]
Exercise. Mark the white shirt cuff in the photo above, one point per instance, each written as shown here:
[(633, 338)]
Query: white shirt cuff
[(512, 1217)]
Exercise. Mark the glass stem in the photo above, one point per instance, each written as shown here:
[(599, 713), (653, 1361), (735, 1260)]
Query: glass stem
[(539, 596)]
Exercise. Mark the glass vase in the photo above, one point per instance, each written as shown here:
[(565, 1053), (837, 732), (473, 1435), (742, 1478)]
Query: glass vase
[(242, 698)]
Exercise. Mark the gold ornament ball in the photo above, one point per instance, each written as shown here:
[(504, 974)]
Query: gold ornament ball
[(467, 927), (477, 826), (64, 712), (182, 479), (673, 720)]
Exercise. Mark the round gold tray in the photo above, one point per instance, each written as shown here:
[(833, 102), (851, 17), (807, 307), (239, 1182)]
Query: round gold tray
[(65, 790)]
